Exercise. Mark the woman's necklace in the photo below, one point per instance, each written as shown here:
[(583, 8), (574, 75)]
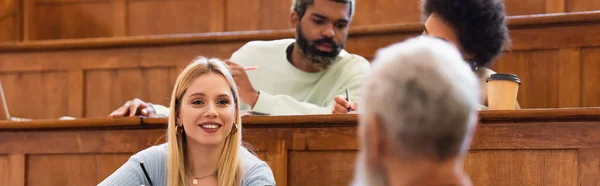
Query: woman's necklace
[(195, 180)]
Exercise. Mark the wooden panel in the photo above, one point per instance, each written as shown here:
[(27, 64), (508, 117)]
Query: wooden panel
[(159, 84), (75, 93), (331, 168), (520, 7), (589, 167), (259, 14), (539, 88), (569, 77), (48, 90), (523, 167), (69, 60), (581, 5), (71, 142), (172, 17), (120, 17), (590, 77), (90, 169), (12, 169), (107, 90), (555, 6), (183, 55), (270, 8), (72, 20), (244, 14), (372, 12), (4, 170), (17, 169), (115, 87), (9, 20)]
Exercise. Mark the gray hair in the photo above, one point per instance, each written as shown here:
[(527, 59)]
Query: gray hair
[(300, 6), (425, 97)]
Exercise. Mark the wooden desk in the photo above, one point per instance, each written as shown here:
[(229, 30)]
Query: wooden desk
[(557, 57), (528, 147)]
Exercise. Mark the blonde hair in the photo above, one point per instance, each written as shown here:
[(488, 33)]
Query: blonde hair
[(229, 170)]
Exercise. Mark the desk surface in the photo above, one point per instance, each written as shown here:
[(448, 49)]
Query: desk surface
[(303, 121)]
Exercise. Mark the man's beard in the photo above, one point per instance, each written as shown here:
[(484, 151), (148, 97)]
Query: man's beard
[(320, 59), (367, 175)]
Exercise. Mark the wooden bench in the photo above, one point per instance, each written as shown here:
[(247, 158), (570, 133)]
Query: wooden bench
[(557, 57), (527, 147)]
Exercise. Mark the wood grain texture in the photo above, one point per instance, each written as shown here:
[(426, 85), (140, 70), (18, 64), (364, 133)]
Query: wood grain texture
[(589, 167), (518, 7), (37, 124), (539, 88), (119, 26), (90, 169), (75, 101), (275, 14), (50, 92), (29, 25), (10, 20), (546, 135), (72, 20), (115, 86), (118, 86), (16, 165), (569, 85), (331, 168), (534, 150), (375, 12), (555, 6), (522, 167), (590, 77), (78, 142), (171, 17), (246, 15), (530, 31), (581, 5), (4, 170)]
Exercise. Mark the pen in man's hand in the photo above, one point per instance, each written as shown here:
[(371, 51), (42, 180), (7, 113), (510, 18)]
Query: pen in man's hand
[(348, 98), (146, 173)]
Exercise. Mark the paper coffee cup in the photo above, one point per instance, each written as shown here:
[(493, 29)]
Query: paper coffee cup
[(502, 91)]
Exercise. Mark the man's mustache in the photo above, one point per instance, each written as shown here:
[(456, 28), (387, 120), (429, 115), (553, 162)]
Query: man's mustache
[(326, 41)]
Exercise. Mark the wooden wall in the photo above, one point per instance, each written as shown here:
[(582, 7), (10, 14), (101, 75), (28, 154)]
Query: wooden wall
[(70, 19), (92, 77)]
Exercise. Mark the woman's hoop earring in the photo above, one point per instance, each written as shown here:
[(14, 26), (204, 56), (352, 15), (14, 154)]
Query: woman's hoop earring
[(234, 129), (178, 129)]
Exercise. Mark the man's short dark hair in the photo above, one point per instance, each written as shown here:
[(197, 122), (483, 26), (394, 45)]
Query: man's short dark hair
[(480, 25), (300, 6)]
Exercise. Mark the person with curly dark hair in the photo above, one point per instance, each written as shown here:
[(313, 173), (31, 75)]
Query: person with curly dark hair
[(476, 27)]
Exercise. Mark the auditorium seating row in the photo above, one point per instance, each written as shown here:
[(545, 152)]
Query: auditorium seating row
[(32, 20), (557, 57), (550, 147)]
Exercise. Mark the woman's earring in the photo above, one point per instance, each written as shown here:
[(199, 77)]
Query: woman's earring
[(178, 129), (474, 66), (234, 129)]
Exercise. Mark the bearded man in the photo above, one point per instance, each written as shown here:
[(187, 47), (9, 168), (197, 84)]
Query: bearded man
[(294, 76)]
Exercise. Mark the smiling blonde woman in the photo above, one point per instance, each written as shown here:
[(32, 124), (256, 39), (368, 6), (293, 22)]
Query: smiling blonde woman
[(204, 137)]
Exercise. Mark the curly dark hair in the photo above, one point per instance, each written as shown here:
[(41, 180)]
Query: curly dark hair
[(480, 25)]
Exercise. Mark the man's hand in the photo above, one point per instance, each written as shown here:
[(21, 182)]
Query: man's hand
[(247, 93), (340, 105), (135, 107)]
